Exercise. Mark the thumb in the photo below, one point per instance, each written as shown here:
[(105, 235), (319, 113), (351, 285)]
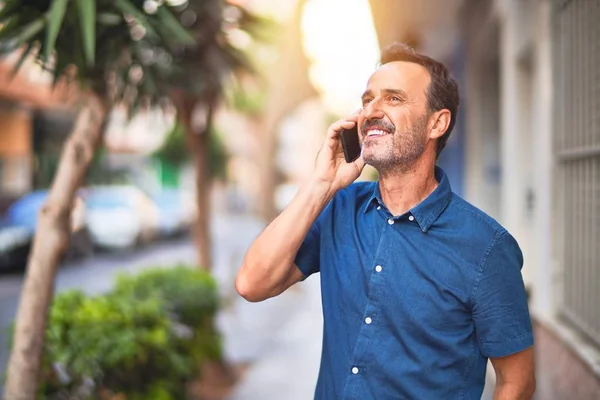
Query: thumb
[(360, 164)]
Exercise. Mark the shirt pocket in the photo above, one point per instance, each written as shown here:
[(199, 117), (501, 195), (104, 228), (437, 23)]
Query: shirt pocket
[(435, 304)]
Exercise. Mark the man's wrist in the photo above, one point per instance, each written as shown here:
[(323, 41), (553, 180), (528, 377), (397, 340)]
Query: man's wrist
[(320, 189)]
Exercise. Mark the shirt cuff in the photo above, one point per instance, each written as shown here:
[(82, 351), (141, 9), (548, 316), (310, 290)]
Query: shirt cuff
[(508, 347)]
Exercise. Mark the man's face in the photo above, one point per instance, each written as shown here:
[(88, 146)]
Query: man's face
[(393, 122)]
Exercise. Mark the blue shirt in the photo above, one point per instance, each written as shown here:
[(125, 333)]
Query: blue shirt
[(414, 304)]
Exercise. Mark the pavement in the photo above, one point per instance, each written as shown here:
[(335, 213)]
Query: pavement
[(279, 338), (285, 344)]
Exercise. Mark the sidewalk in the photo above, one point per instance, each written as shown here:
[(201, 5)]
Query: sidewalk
[(283, 338), (279, 338)]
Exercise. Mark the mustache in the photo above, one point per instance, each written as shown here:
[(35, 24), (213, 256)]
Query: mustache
[(377, 124)]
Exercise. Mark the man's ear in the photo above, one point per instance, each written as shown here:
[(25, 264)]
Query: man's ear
[(440, 121)]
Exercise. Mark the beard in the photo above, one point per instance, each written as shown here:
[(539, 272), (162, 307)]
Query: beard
[(396, 152)]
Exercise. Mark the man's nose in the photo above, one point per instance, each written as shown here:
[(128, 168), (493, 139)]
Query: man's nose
[(372, 110)]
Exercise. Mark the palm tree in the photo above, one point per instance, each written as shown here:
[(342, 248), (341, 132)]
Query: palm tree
[(216, 60), (283, 86), (99, 46)]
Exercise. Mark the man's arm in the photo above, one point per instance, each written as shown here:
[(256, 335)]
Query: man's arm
[(502, 320), (515, 376), (268, 268)]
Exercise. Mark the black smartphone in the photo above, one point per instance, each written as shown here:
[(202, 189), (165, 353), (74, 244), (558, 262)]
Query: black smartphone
[(350, 143)]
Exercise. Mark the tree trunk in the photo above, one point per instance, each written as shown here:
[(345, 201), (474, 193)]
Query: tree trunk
[(287, 90), (199, 145), (49, 244)]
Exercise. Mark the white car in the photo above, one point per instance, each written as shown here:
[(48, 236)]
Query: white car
[(120, 216)]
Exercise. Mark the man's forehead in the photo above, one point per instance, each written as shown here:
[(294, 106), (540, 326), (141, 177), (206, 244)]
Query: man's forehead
[(404, 75)]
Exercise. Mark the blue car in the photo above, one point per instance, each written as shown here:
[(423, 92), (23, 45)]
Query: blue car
[(15, 244), (23, 213)]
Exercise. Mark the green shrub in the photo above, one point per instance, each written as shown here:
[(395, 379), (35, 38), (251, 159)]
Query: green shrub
[(146, 339)]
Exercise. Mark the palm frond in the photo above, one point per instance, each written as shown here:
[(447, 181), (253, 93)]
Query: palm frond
[(55, 20), (185, 47), (87, 14)]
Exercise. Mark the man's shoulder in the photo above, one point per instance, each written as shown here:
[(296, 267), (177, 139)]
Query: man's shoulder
[(468, 213)]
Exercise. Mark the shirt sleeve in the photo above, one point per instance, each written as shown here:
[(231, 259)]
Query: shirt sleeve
[(308, 258), (500, 310)]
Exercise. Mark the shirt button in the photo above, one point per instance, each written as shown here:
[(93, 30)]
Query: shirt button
[(378, 268), (368, 320), (379, 207), (411, 218), (391, 221), (355, 370)]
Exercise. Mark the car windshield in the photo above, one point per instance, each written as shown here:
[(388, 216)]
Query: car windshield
[(109, 199)]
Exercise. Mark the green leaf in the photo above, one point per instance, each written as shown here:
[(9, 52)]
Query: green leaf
[(55, 19), (22, 59), (87, 17), (9, 10), (59, 69), (31, 30), (174, 26), (127, 8), (109, 18), (9, 30)]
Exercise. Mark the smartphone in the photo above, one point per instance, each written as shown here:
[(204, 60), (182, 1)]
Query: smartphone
[(350, 143)]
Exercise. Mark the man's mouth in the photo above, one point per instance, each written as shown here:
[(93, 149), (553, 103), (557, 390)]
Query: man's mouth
[(374, 132)]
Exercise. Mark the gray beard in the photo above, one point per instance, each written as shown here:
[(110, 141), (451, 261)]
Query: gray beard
[(402, 153)]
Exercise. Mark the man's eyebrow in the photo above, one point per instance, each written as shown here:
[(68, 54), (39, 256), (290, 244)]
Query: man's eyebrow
[(397, 92)]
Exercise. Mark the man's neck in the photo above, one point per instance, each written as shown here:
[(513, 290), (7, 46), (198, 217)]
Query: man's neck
[(402, 191)]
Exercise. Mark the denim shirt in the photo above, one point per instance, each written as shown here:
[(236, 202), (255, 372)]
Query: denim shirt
[(414, 304)]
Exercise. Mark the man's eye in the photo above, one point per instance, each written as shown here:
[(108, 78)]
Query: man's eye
[(395, 99), (366, 102)]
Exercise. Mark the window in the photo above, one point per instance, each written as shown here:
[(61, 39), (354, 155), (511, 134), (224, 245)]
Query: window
[(576, 56)]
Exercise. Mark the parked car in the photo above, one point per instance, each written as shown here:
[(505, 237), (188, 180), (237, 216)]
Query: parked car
[(15, 244), (175, 211), (22, 215), (120, 217)]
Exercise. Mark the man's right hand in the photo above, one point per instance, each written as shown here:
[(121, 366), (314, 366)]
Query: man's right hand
[(268, 268), (332, 171)]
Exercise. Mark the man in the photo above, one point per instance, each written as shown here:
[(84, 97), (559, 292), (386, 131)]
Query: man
[(419, 288)]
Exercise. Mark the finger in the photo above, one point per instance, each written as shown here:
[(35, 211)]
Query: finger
[(337, 126), (359, 164)]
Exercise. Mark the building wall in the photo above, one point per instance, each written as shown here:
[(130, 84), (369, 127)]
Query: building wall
[(511, 105), (15, 151)]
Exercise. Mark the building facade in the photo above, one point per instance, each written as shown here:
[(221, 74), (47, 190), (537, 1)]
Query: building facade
[(530, 155)]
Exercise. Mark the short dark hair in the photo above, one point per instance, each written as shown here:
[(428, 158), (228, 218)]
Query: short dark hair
[(442, 91)]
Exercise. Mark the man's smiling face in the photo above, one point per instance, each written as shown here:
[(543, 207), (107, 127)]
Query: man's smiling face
[(393, 122)]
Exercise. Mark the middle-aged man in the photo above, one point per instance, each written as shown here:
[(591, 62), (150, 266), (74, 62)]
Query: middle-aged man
[(419, 288)]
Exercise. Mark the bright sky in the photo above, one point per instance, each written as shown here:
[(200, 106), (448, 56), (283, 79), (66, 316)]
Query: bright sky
[(341, 43)]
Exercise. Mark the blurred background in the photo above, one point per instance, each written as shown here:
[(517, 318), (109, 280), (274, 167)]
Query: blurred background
[(207, 134)]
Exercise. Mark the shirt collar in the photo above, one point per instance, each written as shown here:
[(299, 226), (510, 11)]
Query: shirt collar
[(427, 211)]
